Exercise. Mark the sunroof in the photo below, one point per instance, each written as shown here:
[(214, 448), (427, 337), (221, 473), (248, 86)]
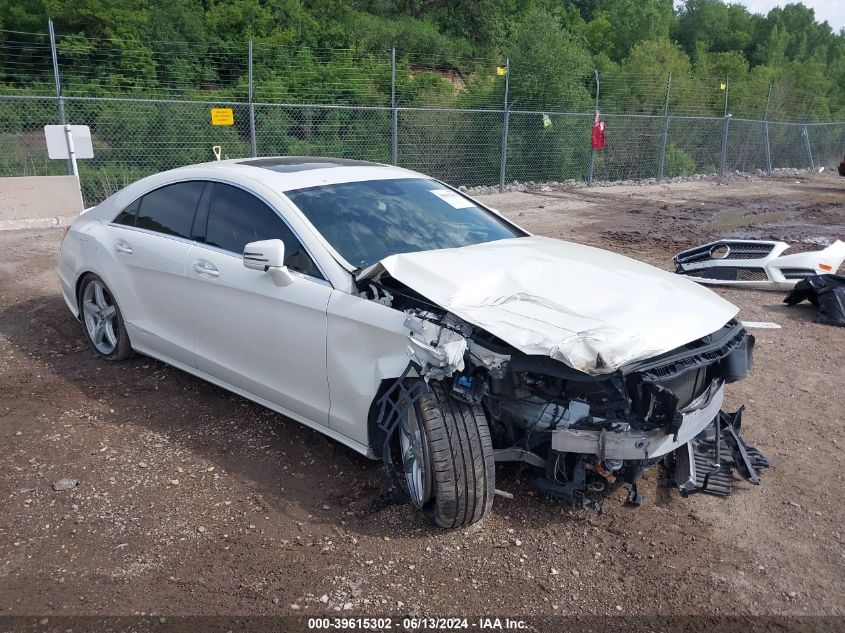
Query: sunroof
[(288, 164)]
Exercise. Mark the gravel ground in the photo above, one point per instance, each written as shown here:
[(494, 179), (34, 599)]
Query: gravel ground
[(191, 500)]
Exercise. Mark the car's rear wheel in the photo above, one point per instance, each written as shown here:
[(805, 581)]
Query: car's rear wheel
[(447, 457), (101, 320)]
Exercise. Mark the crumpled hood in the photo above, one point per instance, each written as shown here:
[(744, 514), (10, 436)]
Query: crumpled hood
[(589, 308)]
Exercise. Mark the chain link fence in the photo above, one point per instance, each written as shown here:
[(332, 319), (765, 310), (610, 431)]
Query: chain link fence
[(136, 137), (474, 123)]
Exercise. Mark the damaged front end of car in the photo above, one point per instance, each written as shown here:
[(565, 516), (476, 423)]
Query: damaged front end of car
[(583, 433)]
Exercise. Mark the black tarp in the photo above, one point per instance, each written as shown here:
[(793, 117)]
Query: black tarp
[(826, 292)]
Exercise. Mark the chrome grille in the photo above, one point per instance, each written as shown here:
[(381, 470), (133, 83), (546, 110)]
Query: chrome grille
[(738, 250)]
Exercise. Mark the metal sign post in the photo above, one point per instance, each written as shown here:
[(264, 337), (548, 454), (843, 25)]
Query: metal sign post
[(394, 112), (71, 152), (56, 76), (592, 149), (505, 124), (727, 123)]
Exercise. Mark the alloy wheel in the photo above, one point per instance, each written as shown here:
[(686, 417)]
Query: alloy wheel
[(417, 475), (100, 316)]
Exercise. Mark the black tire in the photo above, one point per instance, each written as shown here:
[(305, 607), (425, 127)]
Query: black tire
[(460, 454), (123, 348)]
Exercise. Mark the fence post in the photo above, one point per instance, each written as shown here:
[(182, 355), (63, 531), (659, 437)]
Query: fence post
[(58, 79), (766, 130), (394, 112), (727, 119), (252, 139), (593, 151), (665, 129), (806, 134), (505, 123)]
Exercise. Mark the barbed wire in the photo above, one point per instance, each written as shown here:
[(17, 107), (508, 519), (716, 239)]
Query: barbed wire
[(147, 105)]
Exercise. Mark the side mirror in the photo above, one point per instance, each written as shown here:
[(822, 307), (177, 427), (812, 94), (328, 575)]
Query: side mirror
[(268, 256)]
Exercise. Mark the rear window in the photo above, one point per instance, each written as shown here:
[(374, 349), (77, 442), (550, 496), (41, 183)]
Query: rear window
[(129, 214), (170, 210)]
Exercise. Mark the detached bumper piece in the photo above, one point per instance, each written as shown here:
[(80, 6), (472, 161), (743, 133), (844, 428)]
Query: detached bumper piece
[(707, 463), (757, 264)]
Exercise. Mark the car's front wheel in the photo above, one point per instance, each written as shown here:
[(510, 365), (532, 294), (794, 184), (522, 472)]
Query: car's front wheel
[(447, 457), (101, 319)]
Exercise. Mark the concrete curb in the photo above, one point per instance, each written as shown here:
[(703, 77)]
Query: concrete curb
[(36, 223)]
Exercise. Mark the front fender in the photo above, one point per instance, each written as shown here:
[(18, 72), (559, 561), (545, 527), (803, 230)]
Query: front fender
[(366, 345)]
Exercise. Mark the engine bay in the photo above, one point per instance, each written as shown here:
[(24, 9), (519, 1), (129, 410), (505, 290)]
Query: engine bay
[(586, 433)]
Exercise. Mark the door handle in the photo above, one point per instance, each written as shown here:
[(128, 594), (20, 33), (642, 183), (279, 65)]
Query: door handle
[(123, 247), (206, 268)]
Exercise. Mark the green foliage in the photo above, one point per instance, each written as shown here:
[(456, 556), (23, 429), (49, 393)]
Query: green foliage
[(712, 25), (550, 66), (123, 19), (645, 77), (308, 53), (677, 162), (196, 48), (634, 21)]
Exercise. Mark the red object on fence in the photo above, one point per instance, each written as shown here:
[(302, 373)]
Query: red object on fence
[(598, 133)]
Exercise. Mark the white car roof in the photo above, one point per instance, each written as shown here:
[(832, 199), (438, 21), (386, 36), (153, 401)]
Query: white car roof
[(270, 179), (285, 173)]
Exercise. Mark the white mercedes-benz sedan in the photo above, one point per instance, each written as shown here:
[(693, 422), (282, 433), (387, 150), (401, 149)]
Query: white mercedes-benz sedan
[(397, 315)]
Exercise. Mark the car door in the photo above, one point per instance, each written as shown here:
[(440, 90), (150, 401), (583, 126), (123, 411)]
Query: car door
[(145, 255), (249, 332)]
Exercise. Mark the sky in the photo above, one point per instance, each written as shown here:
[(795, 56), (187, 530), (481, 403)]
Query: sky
[(832, 11)]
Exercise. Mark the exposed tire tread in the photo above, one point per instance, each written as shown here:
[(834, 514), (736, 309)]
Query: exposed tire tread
[(461, 456)]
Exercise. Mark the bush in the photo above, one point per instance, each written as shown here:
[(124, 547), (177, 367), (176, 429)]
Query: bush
[(677, 162)]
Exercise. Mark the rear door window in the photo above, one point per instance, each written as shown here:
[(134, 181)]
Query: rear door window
[(236, 217), (128, 216), (170, 210)]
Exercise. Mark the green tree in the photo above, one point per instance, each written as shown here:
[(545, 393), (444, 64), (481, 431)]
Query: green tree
[(712, 25), (635, 21), (642, 85), (118, 19), (550, 67)]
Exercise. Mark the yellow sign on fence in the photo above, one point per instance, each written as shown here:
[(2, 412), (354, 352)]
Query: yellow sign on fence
[(501, 70), (222, 116)]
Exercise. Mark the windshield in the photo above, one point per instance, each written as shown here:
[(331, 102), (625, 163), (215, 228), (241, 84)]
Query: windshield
[(367, 221)]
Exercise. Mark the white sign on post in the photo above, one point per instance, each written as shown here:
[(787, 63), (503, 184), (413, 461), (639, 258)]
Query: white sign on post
[(69, 142), (57, 141)]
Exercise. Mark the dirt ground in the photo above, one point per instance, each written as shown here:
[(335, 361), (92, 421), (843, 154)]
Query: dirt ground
[(195, 501)]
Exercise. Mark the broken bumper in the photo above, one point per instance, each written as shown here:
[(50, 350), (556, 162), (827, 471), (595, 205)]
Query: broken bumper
[(638, 445), (757, 264), (707, 463)]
